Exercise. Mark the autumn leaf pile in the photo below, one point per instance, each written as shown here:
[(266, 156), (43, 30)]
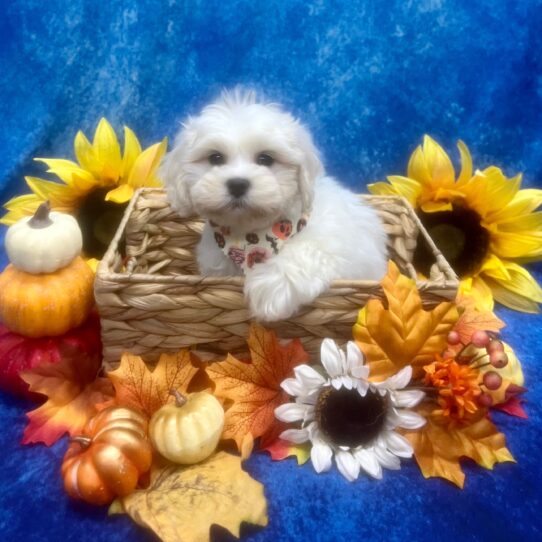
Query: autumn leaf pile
[(401, 332), (222, 493), (392, 334)]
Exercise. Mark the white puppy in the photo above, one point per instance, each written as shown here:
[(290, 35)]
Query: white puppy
[(253, 172)]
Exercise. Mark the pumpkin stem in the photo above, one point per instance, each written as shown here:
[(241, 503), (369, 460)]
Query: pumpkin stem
[(41, 218), (85, 442), (180, 399)]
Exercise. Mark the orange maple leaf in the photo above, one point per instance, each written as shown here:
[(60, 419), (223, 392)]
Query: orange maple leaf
[(471, 319), (401, 332), (74, 392), (254, 387), (438, 448), (139, 388)]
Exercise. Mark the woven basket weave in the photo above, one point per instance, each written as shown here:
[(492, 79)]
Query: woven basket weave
[(151, 299)]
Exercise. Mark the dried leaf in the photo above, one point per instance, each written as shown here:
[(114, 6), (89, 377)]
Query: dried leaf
[(471, 319), (513, 407), (254, 387), (182, 503), (281, 449), (438, 448), (141, 389), (401, 332), (73, 393)]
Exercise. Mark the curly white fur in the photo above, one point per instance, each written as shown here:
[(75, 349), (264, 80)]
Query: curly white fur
[(343, 238)]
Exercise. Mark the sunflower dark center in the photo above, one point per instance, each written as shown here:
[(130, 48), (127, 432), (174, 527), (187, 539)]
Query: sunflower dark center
[(98, 220), (459, 235), (347, 418)]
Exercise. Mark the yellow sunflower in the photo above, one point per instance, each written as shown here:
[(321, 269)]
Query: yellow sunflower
[(482, 222), (96, 188)]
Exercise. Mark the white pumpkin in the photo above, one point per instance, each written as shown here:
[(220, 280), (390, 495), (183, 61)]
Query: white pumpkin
[(45, 242), (189, 430)]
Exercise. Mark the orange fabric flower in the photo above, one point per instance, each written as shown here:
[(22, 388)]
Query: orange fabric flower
[(457, 386)]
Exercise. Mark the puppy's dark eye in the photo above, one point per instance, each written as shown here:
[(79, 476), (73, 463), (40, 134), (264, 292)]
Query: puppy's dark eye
[(217, 159), (264, 159)]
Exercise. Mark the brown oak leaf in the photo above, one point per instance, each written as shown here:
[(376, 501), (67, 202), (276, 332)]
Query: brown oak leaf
[(471, 319), (73, 393), (182, 503), (401, 332), (438, 448), (138, 387), (254, 387)]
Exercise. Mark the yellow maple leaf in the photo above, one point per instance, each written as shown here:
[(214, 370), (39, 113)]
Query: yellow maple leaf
[(182, 503), (400, 332), (254, 389), (138, 387), (438, 448)]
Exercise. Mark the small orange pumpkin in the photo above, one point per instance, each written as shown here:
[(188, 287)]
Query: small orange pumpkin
[(109, 459), (46, 305), (47, 289)]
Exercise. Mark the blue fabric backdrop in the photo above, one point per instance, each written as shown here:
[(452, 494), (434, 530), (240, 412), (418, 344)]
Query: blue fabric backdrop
[(369, 78)]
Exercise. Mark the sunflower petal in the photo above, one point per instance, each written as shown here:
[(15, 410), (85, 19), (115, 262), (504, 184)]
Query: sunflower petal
[(61, 196), (493, 267), (57, 163), (430, 165), (145, 167), (382, 189), (84, 152), (517, 245), (121, 194), (70, 173), (410, 189), (489, 191), (480, 292), (436, 206), (521, 292), (523, 223), (132, 149), (466, 164), (26, 201), (107, 149), (523, 203), (20, 207)]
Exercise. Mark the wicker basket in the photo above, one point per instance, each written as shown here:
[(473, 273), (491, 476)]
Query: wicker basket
[(151, 299)]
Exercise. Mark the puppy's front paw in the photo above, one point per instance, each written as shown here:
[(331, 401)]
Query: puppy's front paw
[(274, 293)]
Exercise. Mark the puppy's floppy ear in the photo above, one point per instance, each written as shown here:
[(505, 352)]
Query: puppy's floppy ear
[(310, 167), (175, 178)]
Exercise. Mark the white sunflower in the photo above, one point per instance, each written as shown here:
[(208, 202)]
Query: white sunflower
[(349, 417)]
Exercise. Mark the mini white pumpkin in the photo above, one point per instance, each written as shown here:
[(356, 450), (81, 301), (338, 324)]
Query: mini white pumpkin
[(45, 242), (187, 431)]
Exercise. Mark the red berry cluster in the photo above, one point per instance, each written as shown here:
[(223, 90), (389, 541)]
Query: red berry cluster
[(494, 348)]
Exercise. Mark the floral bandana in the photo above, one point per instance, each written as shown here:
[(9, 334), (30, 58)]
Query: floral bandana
[(248, 249)]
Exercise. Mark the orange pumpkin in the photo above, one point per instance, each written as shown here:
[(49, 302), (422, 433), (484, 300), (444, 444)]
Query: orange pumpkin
[(109, 459), (48, 304)]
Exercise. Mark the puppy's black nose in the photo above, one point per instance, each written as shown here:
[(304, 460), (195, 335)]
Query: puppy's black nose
[(237, 186)]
